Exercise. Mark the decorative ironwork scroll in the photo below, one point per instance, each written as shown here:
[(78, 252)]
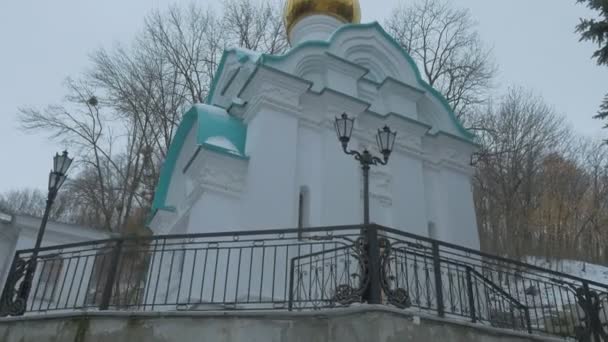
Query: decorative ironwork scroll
[(397, 296), (592, 328), (329, 278), (12, 303)]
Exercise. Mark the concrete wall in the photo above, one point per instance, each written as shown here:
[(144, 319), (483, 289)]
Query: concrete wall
[(365, 323)]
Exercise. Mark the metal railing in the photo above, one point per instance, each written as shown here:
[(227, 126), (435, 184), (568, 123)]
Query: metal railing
[(322, 268)]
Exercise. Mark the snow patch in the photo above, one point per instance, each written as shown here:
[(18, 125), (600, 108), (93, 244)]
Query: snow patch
[(213, 110), (593, 272), (223, 142)]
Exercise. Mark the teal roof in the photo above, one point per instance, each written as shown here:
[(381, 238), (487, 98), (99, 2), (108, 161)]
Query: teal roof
[(214, 122), (217, 131)]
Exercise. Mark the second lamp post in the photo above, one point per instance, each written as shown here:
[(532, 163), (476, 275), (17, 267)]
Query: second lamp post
[(58, 175)]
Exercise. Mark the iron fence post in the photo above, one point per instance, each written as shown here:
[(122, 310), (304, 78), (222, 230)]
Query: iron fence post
[(111, 280), (291, 280), (438, 279), (592, 313), (373, 294), (470, 295), (528, 320), (8, 289)]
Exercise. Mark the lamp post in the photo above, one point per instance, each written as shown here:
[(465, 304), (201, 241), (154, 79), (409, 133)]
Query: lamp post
[(57, 176), (385, 140)]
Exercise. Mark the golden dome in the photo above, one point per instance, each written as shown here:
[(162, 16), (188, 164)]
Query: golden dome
[(348, 11)]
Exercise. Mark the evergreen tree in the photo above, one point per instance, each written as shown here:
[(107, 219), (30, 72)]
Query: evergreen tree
[(596, 31)]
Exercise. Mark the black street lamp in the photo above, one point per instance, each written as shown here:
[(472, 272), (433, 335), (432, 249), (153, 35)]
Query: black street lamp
[(385, 140), (57, 176)]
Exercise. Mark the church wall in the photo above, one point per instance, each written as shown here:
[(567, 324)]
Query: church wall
[(341, 184), (309, 173), (178, 188), (458, 201), (449, 206), (271, 188), (397, 103), (435, 202), (409, 205), (342, 81), (214, 212)]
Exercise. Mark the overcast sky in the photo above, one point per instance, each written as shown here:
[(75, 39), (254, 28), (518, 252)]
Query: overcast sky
[(42, 42)]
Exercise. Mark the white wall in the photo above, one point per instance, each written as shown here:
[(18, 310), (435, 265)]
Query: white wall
[(291, 143), (461, 229), (287, 153), (269, 198), (409, 193)]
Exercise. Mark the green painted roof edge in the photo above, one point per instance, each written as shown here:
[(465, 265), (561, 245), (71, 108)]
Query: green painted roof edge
[(186, 125), (242, 58), (264, 58), (216, 76), (212, 125), (166, 171)]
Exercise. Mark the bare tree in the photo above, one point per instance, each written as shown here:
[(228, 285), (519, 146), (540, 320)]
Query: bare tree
[(122, 113), (255, 27), (539, 190), (111, 177), (590, 237), (443, 42), (191, 40), (33, 202), (518, 135)]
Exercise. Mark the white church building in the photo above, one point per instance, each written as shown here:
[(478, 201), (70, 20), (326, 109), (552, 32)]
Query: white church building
[(262, 152)]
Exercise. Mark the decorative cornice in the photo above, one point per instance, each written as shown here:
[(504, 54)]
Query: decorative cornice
[(225, 180), (163, 221), (263, 103), (217, 173)]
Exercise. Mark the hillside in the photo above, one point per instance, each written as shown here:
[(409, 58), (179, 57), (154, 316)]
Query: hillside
[(597, 273)]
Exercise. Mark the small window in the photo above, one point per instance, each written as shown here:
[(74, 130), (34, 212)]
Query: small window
[(303, 210)]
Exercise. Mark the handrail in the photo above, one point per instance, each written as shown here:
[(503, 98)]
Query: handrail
[(490, 256), (193, 236), (497, 288)]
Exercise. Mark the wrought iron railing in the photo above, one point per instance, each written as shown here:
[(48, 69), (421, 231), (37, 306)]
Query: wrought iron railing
[(320, 269)]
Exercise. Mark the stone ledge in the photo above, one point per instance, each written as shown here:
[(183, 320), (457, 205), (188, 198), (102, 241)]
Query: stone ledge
[(333, 318)]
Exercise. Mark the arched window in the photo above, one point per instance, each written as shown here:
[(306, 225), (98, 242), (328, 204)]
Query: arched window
[(303, 210)]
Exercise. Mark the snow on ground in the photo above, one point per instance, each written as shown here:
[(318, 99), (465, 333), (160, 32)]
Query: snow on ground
[(575, 268)]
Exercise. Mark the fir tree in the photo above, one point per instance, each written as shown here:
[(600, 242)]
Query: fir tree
[(596, 31)]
